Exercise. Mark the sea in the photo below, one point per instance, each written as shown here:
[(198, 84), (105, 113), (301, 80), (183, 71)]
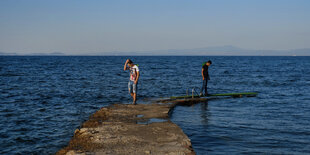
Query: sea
[(43, 99)]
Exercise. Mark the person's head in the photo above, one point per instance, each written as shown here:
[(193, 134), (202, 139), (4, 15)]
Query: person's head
[(130, 63), (209, 63)]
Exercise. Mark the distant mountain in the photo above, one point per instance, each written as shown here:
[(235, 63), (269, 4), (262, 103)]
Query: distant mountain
[(47, 54), (301, 52), (216, 50), (32, 54), (5, 53), (57, 53), (227, 50)]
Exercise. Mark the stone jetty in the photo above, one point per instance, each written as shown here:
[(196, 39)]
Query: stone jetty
[(132, 129)]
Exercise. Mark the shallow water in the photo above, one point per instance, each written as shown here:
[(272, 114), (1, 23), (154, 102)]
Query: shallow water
[(44, 99)]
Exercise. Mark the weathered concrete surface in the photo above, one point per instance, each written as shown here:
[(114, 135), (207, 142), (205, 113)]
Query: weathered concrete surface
[(128, 129)]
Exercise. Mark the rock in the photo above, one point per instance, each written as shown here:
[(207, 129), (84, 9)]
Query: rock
[(75, 153)]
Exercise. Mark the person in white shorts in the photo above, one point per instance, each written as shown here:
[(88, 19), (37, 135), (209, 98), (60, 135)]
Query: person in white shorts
[(134, 77)]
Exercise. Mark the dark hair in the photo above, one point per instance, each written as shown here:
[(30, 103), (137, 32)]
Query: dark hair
[(129, 61), (209, 62)]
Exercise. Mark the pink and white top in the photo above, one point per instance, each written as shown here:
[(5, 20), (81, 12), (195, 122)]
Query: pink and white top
[(133, 72)]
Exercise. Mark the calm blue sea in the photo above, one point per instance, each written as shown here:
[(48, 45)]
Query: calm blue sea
[(44, 99)]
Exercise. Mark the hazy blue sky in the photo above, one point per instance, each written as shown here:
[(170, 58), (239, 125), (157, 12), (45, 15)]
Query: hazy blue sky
[(75, 26)]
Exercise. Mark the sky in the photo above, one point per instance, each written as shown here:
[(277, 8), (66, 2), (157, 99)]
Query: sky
[(81, 27)]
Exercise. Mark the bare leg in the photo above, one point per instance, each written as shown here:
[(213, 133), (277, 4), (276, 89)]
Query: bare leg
[(134, 98)]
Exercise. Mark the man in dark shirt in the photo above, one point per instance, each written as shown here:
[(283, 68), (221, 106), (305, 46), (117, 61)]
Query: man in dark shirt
[(205, 77)]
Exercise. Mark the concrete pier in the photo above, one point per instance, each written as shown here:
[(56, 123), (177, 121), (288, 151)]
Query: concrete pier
[(132, 129)]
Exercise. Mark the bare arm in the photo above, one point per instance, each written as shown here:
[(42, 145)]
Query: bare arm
[(203, 78), (125, 66), (137, 78)]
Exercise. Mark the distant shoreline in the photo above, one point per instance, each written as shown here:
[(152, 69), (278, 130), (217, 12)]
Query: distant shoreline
[(155, 55), (227, 50)]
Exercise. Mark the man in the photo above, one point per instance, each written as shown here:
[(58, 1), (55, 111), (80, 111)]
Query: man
[(205, 77), (134, 77)]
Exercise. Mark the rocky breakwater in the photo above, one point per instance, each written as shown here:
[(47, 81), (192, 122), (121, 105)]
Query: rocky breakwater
[(131, 129)]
